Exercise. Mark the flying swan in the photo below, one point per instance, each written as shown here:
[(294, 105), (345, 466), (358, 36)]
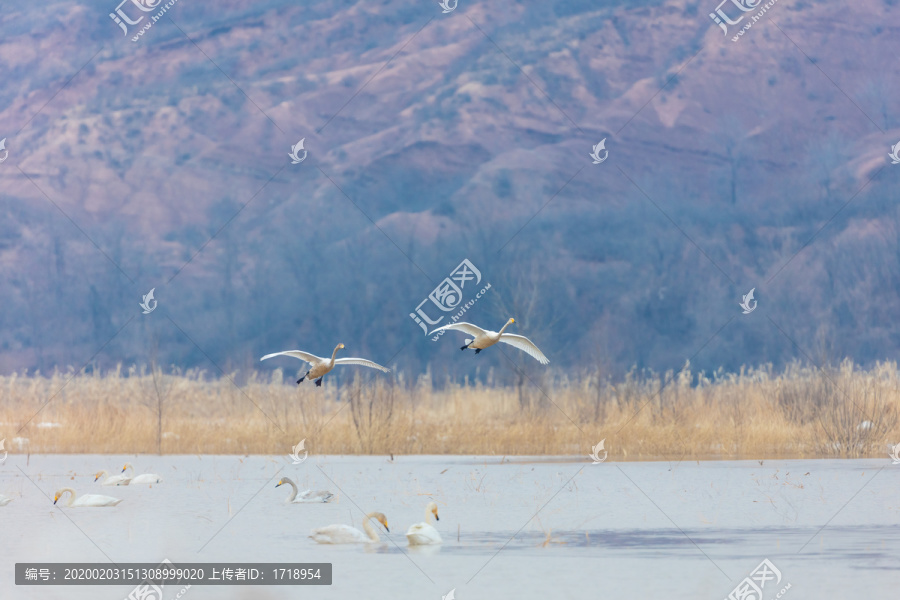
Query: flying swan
[(422, 534), (145, 478), (309, 496), (486, 339), (319, 367), (86, 500), (112, 480), (344, 534)]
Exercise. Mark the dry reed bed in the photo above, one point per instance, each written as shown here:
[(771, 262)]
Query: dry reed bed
[(799, 412)]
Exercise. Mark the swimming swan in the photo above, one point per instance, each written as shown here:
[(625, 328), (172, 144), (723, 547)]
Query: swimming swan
[(145, 478), (86, 500), (422, 534), (344, 534), (308, 496), (112, 480), (486, 339), (319, 367), (4, 500)]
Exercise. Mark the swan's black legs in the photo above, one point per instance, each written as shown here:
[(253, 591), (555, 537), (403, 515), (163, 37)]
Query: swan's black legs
[(319, 381), (464, 347), (477, 350), (299, 381)]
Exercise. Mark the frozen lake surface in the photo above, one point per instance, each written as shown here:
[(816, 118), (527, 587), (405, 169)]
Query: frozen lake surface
[(523, 528)]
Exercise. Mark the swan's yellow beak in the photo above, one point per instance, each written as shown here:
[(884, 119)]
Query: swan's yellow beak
[(97, 476), (280, 481), (511, 320), (340, 346), (55, 499), (436, 517), (123, 468)]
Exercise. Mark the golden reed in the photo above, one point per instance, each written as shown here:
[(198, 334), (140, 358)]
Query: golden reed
[(798, 412)]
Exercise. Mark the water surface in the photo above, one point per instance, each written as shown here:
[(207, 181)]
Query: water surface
[(523, 528)]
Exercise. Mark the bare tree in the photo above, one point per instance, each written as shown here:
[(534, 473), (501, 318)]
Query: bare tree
[(372, 411), (520, 296), (730, 133)]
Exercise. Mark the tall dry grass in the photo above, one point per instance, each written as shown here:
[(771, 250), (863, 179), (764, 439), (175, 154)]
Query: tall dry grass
[(757, 413)]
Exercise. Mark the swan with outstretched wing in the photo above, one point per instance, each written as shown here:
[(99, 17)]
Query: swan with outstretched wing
[(319, 367), (482, 338)]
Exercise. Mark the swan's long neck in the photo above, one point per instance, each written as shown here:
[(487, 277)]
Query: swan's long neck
[(71, 495), (429, 517), (334, 354), (293, 489), (502, 329), (370, 531)]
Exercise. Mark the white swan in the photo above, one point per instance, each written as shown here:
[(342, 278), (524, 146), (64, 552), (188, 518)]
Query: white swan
[(319, 367), (422, 534), (4, 500), (86, 500), (486, 339), (112, 480), (145, 478), (308, 496), (344, 534)]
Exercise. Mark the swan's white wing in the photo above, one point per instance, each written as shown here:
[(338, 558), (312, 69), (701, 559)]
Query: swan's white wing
[(422, 534), (314, 496), (338, 534), (310, 358), (467, 327), (360, 361), (95, 500), (118, 480), (524, 344)]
